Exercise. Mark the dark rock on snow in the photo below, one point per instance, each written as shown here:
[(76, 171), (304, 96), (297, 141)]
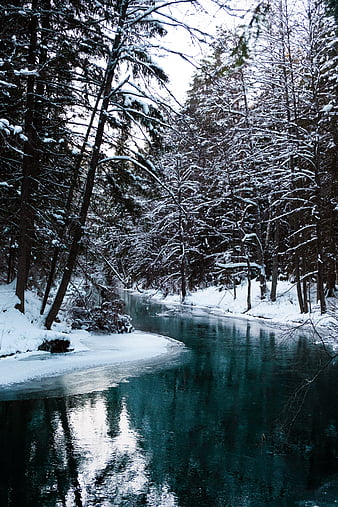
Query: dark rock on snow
[(55, 346)]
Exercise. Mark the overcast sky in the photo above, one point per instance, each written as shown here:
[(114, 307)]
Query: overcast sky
[(178, 39)]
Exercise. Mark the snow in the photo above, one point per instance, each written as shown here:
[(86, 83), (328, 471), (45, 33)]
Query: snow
[(235, 265), (17, 129), (26, 72), (284, 311), (7, 128), (21, 335), (8, 85), (327, 108), (90, 351)]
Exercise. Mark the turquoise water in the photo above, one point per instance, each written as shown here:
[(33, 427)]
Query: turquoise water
[(220, 424)]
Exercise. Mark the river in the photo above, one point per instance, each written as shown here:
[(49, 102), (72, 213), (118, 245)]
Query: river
[(223, 423)]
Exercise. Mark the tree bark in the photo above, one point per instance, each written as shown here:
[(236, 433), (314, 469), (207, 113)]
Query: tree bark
[(10, 262), (298, 285), (320, 284), (331, 277), (90, 180), (249, 286), (305, 287), (70, 197), (30, 169), (274, 277)]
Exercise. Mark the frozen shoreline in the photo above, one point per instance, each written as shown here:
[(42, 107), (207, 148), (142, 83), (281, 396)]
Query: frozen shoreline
[(21, 335), (284, 310), (90, 351), (283, 313)]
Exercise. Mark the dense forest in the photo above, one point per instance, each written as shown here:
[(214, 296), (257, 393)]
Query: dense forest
[(103, 179)]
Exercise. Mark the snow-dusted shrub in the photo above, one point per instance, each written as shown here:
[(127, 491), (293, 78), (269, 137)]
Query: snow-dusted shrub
[(107, 317)]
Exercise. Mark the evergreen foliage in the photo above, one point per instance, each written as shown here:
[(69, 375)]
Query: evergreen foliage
[(242, 184), (79, 112), (257, 157)]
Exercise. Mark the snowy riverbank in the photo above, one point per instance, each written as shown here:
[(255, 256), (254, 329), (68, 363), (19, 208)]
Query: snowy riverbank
[(90, 351), (20, 336), (284, 312)]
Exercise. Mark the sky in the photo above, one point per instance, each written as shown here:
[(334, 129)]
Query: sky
[(178, 39)]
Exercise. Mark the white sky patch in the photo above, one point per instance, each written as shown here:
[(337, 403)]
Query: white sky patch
[(195, 45)]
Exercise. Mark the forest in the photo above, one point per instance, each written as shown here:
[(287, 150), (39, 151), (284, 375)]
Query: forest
[(104, 178)]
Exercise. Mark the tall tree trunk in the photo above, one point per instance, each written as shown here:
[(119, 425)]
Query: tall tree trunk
[(70, 197), (331, 277), (10, 262), (248, 299), (258, 225), (319, 221), (90, 180), (30, 169), (274, 277), (291, 106), (332, 266), (320, 284), (50, 279), (261, 262), (183, 259), (305, 287), (183, 279)]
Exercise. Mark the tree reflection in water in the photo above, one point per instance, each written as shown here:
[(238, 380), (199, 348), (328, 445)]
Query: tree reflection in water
[(193, 434), (76, 451)]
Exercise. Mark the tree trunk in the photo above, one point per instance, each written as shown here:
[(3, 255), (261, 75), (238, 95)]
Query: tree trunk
[(261, 261), (260, 255), (10, 262), (90, 180), (68, 271), (79, 226), (30, 169), (50, 279), (320, 285), (298, 285), (274, 277), (69, 202), (305, 288), (183, 278), (331, 277), (248, 299)]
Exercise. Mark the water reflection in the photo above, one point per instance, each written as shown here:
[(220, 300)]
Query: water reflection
[(75, 452), (205, 432)]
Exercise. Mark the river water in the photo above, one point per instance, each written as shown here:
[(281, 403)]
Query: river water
[(223, 423)]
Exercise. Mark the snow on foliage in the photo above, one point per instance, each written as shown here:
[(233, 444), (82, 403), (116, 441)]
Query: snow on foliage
[(7, 129), (26, 72)]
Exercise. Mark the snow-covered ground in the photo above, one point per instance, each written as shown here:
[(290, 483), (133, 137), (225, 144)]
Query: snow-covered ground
[(283, 312), (90, 351), (21, 333)]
